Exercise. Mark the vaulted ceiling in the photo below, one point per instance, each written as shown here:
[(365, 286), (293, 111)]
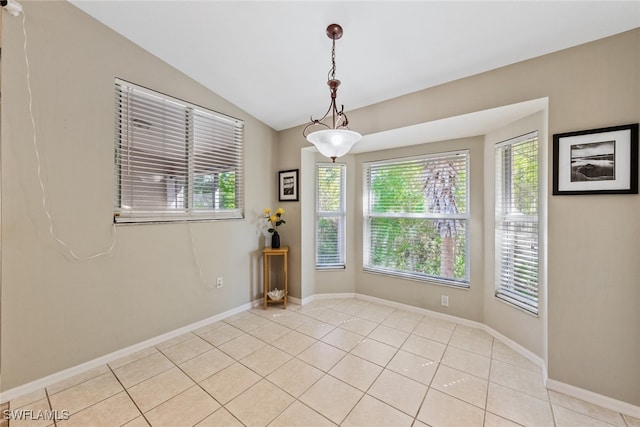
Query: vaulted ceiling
[(271, 58)]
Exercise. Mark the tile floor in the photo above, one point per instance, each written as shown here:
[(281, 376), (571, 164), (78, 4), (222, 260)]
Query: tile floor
[(344, 362)]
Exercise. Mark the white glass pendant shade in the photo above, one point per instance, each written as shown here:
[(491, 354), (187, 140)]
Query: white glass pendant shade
[(334, 143)]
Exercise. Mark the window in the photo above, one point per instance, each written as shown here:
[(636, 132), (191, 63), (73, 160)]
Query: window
[(416, 217), (516, 232), (330, 215), (173, 160)]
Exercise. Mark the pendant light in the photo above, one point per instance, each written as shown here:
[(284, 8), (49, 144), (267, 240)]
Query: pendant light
[(335, 139)]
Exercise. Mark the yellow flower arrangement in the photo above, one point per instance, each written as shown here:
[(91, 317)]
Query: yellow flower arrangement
[(275, 220)]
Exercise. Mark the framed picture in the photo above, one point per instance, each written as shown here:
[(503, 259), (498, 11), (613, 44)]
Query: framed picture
[(288, 185), (596, 161)]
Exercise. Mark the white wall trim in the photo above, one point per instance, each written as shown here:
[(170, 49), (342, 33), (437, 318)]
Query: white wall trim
[(576, 392), (49, 380), (595, 398)]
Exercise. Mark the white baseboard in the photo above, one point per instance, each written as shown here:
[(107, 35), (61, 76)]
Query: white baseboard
[(576, 392), (49, 380), (595, 398)]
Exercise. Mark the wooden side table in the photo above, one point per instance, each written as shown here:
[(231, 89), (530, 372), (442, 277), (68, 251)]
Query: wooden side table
[(266, 254)]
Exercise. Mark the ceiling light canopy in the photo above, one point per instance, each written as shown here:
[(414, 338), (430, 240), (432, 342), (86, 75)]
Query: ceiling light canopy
[(335, 139)]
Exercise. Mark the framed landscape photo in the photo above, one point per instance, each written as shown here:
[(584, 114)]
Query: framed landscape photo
[(288, 185), (596, 161)]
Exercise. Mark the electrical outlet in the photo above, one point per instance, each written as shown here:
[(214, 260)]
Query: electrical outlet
[(219, 282), (444, 300)]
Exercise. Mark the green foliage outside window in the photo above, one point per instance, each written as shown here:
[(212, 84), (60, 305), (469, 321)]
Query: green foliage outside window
[(417, 217)]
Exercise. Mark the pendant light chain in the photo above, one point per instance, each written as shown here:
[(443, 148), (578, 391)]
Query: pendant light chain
[(332, 73)]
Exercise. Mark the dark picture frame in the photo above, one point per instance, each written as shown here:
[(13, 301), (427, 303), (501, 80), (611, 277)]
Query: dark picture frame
[(596, 161), (288, 185)]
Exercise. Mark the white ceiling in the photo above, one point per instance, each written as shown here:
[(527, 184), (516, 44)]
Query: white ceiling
[(271, 58)]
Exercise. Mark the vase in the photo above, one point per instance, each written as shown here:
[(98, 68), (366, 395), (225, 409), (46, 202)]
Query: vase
[(275, 240)]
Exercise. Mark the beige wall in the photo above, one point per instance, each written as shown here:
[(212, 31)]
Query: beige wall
[(56, 312), (593, 242)]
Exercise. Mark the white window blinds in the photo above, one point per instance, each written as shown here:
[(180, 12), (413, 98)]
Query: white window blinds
[(330, 215), (174, 160), (416, 217), (516, 232)]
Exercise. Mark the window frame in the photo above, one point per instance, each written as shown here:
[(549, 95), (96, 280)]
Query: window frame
[(227, 157), (506, 240), (466, 217), (340, 214)]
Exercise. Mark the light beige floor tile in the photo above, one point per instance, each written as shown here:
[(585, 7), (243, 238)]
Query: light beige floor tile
[(159, 389), (133, 357), (437, 322), (300, 415), (505, 354), (175, 340), (371, 412), (113, 411), (404, 320), (413, 366), (230, 382), (187, 350), (374, 351), (221, 335), (313, 312), (352, 306), (462, 385), (236, 316), (321, 355), (331, 398), (466, 361), (376, 313), (424, 347), (249, 323), (28, 415), (269, 332), (76, 379), (359, 326), (220, 418), (356, 372), (143, 369), (187, 408), (206, 364), (388, 335), (586, 408), (519, 379), (567, 418), (442, 410), (472, 342), (427, 330), (88, 393), (137, 422), (295, 377), (34, 396), (260, 404), (399, 391), (469, 330), (315, 328), (333, 317), (209, 327), (266, 360), (291, 319), (631, 421), (492, 420), (293, 342), (343, 339), (241, 346), (518, 407)]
